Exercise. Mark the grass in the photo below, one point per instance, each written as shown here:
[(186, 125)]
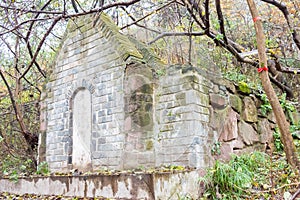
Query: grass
[(251, 176)]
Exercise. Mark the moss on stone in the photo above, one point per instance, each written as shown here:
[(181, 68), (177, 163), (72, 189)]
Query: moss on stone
[(147, 89), (192, 79), (236, 103), (244, 88), (149, 145), (141, 118)]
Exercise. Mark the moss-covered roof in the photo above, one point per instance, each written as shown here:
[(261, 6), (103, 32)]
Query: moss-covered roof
[(129, 49), (125, 48), (102, 22)]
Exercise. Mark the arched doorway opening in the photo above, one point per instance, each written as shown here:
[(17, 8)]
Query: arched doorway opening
[(81, 129)]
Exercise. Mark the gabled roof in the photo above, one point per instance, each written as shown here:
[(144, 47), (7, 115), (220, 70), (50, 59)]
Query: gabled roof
[(102, 22), (123, 45)]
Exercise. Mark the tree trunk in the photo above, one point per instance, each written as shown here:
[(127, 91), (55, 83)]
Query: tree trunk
[(284, 126)]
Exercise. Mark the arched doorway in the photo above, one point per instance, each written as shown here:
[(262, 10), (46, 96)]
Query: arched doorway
[(81, 122)]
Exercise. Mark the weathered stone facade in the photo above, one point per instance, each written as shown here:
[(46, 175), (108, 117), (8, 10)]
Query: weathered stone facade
[(111, 103)]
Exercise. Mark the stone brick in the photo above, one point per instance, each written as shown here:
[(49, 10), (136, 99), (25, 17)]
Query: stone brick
[(217, 101), (194, 97), (226, 151), (236, 103), (229, 127), (265, 131), (249, 113), (247, 133)]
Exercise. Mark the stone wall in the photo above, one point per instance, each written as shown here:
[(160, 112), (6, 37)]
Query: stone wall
[(138, 122), (92, 61), (182, 116), (138, 186), (237, 121)]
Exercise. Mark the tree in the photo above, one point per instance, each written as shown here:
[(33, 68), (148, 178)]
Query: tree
[(287, 140)]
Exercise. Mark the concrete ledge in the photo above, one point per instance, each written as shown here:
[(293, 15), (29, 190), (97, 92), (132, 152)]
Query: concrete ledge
[(120, 186)]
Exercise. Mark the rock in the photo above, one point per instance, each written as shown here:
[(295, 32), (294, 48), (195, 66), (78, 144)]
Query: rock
[(296, 135), (271, 117), (237, 144), (296, 116), (226, 152), (216, 89), (230, 86), (265, 131), (217, 101), (229, 129), (213, 122), (236, 103), (250, 112), (247, 133)]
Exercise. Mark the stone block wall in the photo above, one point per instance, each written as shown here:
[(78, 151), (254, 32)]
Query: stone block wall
[(138, 122), (90, 60), (237, 122), (182, 117)]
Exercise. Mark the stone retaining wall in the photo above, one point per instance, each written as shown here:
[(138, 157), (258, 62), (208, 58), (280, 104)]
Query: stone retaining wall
[(122, 186)]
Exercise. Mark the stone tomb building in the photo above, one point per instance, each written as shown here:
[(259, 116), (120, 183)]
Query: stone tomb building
[(112, 103)]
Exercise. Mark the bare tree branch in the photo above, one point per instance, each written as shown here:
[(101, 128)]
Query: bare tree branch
[(32, 11), (35, 17), (166, 34), (24, 22), (39, 48), (17, 113), (206, 19), (221, 20), (149, 14)]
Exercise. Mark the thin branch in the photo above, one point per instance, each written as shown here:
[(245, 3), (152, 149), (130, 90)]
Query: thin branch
[(24, 131), (35, 17), (24, 22), (190, 41), (74, 6), (137, 24), (32, 11), (221, 20), (295, 194), (149, 14), (80, 6), (96, 10), (39, 48), (206, 21), (166, 34), (195, 6), (283, 87), (290, 70)]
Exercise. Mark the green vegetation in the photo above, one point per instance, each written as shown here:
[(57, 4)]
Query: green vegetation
[(13, 167), (249, 176), (244, 88), (43, 169), (265, 107), (287, 106), (277, 142), (216, 148)]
